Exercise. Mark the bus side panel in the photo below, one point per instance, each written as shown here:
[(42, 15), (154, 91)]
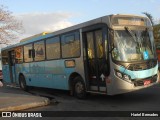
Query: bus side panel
[(54, 71), (49, 74), (34, 74), (37, 74), (45, 74), (13, 74), (18, 69), (60, 74), (26, 72), (6, 74)]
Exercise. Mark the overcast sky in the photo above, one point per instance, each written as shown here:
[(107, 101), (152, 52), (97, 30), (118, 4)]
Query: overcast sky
[(44, 22), (50, 15)]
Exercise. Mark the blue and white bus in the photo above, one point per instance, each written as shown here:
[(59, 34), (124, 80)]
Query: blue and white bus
[(109, 55)]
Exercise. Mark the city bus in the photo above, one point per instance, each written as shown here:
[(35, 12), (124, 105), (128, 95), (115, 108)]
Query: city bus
[(110, 55)]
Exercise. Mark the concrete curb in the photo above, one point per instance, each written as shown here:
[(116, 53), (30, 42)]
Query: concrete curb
[(26, 106)]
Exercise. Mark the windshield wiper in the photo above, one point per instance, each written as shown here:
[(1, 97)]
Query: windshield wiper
[(135, 38), (131, 34), (145, 38)]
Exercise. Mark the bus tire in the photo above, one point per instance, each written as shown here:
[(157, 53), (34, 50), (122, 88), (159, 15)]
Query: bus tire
[(22, 83), (79, 88)]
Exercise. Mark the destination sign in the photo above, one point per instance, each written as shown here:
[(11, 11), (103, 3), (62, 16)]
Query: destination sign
[(129, 21)]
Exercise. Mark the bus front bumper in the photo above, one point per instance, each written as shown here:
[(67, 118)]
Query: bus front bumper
[(121, 86)]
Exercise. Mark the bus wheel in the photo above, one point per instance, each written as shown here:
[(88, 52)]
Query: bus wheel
[(79, 88), (22, 83)]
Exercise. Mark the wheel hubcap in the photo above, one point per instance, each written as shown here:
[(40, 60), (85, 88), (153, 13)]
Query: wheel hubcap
[(79, 87)]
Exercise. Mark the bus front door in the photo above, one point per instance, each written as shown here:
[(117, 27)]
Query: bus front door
[(12, 66), (95, 62)]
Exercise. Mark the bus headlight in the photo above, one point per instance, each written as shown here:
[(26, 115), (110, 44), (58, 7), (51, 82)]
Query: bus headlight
[(119, 74), (126, 77), (122, 76)]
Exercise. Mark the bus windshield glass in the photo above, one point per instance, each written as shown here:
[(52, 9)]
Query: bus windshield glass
[(133, 45)]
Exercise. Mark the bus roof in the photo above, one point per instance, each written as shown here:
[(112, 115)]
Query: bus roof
[(105, 19)]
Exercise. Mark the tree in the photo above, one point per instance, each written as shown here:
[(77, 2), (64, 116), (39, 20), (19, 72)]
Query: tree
[(149, 16), (10, 27)]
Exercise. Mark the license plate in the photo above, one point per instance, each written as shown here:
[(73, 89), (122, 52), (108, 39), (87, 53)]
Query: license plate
[(147, 82)]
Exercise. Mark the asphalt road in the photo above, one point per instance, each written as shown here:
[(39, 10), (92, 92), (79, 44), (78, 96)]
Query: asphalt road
[(143, 100), (147, 99)]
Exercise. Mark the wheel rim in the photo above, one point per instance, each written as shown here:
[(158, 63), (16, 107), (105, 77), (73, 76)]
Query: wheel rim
[(79, 87)]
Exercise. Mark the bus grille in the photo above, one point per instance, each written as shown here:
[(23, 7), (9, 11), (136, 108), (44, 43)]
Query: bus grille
[(141, 82), (142, 66)]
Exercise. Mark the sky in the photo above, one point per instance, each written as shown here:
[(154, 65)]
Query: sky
[(40, 16)]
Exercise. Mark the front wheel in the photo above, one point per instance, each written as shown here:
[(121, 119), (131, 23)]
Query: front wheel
[(79, 88), (22, 83)]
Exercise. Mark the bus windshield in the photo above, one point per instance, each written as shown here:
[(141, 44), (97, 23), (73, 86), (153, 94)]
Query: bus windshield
[(133, 45)]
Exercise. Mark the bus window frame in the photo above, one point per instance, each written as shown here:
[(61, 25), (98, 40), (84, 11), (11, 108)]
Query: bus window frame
[(70, 33), (22, 52), (58, 35), (7, 57), (28, 54), (33, 50), (59, 48)]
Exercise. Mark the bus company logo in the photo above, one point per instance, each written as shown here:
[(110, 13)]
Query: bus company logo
[(6, 114)]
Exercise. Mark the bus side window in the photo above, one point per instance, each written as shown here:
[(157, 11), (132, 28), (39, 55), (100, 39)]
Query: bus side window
[(99, 44), (4, 58), (19, 54), (70, 45), (28, 53), (53, 44), (91, 54), (39, 49)]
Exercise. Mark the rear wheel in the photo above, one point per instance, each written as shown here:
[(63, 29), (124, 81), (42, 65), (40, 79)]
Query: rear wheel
[(22, 83), (79, 88)]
